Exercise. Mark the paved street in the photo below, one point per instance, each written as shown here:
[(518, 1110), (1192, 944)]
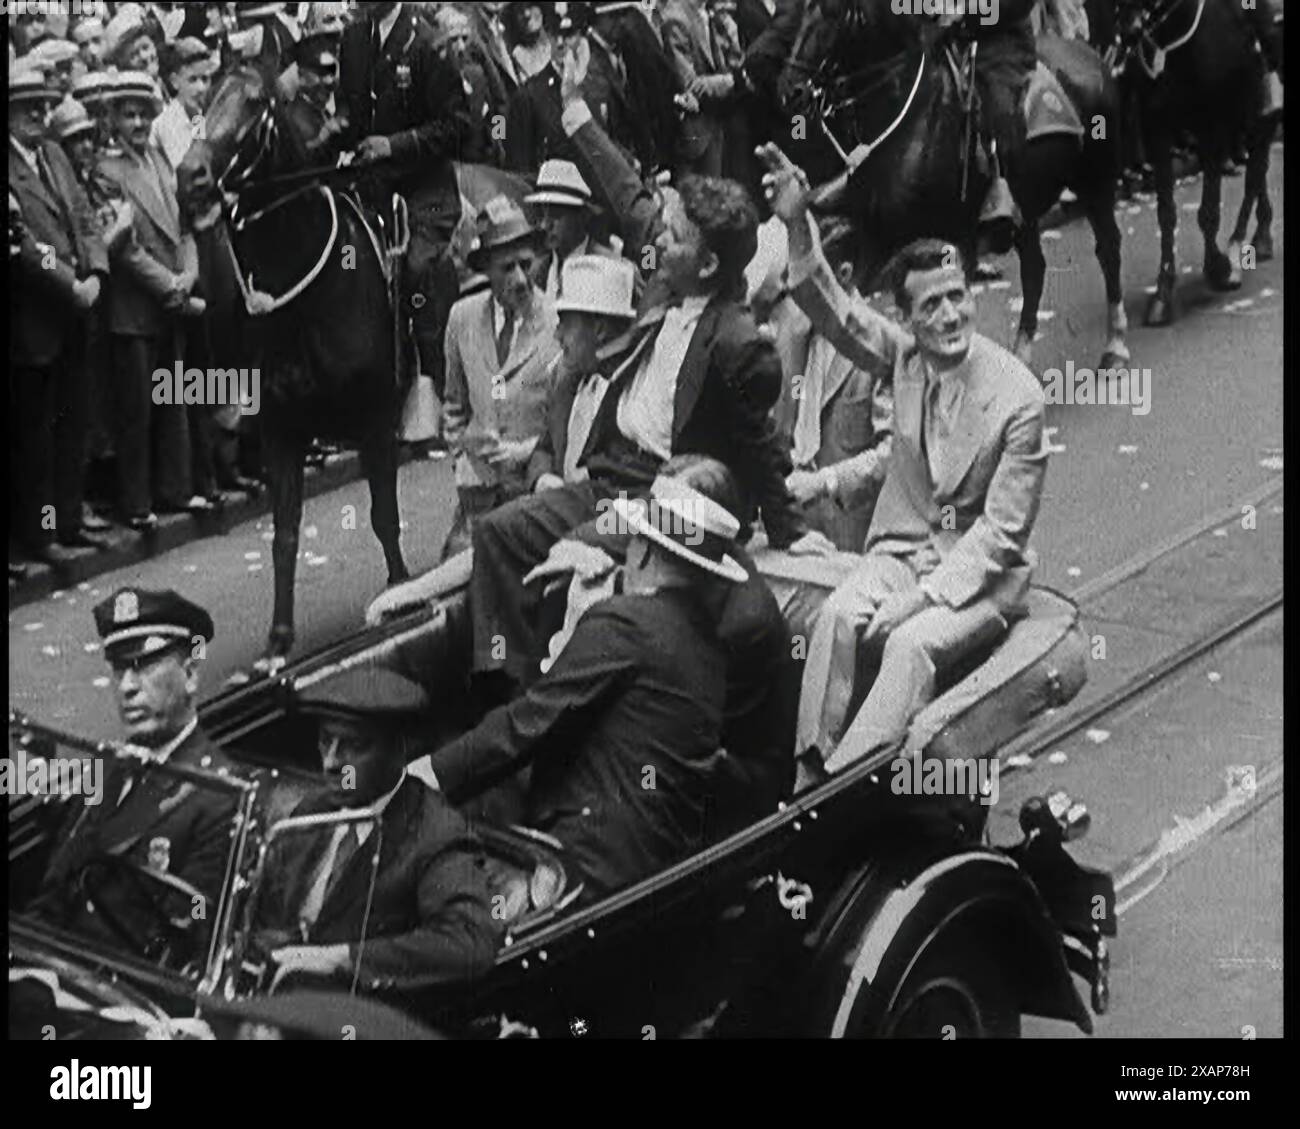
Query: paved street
[(1199, 954)]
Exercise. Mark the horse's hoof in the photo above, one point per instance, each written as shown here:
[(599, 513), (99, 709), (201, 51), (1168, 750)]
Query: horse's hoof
[(278, 645), (1220, 275), (270, 665), (1160, 311), (1263, 244)]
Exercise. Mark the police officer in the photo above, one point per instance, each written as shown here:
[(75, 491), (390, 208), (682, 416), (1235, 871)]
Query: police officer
[(153, 641), (408, 119)]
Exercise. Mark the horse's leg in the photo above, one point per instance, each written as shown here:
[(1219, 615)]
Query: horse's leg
[(1033, 269), (283, 455), (1257, 174), (379, 465), (1160, 309), (1220, 272), (1099, 203)]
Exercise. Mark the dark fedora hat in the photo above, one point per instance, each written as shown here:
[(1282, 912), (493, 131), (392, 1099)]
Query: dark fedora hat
[(500, 223)]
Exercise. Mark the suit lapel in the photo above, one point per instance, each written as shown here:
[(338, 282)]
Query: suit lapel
[(21, 176), (401, 37), (838, 369), (969, 434), (695, 367), (143, 183), (390, 834)]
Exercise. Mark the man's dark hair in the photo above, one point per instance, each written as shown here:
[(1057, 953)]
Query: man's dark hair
[(920, 254), (728, 222)]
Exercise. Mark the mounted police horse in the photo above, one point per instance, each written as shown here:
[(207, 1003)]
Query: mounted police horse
[(318, 320), (900, 85), (1197, 69)]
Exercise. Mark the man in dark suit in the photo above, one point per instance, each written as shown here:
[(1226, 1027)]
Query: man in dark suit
[(409, 880), (59, 272), (623, 732), (153, 641)]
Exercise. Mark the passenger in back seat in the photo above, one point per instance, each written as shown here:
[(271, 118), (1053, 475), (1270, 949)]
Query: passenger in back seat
[(947, 560), (623, 731)]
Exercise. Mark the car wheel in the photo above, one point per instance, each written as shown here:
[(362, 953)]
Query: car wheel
[(954, 993)]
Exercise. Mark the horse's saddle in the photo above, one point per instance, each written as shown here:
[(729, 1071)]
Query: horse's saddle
[(1048, 109)]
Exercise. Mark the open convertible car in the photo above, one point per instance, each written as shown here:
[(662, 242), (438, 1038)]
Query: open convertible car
[(845, 910)]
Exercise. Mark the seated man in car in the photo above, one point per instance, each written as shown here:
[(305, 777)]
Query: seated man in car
[(405, 894), (153, 641), (622, 732), (947, 561)]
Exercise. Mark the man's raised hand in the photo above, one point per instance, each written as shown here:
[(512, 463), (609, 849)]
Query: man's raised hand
[(784, 183)]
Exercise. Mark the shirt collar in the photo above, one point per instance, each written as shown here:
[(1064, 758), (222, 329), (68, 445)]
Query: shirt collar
[(378, 808), (693, 306), (387, 23), (162, 754)]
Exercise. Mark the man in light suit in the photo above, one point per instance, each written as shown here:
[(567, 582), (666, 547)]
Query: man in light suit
[(57, 276), (500, 348), (947, 563), (154, 274)]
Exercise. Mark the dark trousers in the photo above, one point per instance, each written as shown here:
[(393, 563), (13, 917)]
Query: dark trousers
[(33, 405), (152, 440), (72, 436)]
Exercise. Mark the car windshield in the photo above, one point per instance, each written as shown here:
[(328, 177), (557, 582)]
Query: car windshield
[(124, 855)]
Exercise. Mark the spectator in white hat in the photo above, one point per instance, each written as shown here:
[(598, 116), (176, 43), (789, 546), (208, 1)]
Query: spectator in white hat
[(566, 213), (596, 306)]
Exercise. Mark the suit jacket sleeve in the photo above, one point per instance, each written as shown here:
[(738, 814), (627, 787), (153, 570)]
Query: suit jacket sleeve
[(445, 116), (58, 278), (456, 939), (542, 460), (625, 193), (999, 538), (90, 247), (751, 369), (599, 659), (767, 53), (677, 42), (869, 339)]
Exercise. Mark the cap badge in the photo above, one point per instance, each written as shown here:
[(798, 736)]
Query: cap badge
[(160, 853), (126, 608)]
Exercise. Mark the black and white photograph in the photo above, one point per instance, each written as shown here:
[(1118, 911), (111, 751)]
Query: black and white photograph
[(669, 519)]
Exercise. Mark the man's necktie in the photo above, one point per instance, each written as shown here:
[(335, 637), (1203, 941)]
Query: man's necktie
[(43, 171), (505, 338), (929, 416), (341, 849)]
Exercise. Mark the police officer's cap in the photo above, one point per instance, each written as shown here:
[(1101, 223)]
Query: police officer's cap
[(137, 622), (317, 52)]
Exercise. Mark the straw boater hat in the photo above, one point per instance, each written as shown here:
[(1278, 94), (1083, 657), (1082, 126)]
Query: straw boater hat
[(500, 223), (122, 32), (70, 119), (93, 86), (53, 53), (27, 84), (560, 182), (687, 524), (597, 284), (189, 50), (134, 84)]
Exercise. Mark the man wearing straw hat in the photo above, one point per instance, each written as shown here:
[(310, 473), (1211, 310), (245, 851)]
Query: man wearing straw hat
[(57, 279), (566, 214), (623, 731), (500, 352)]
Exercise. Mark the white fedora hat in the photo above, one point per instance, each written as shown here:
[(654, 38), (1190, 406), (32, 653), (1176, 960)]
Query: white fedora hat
[(597, 284), (687, 524), (560, 182)]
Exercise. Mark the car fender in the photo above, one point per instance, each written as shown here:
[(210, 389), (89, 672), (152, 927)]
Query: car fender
[(886, 918)]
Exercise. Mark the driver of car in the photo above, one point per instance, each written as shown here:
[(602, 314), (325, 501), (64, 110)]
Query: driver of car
[(403, 895), (159, 825)]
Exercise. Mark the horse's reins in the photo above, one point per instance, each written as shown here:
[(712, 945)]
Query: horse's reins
[(862, 152), (247, 289), (1156, 67)]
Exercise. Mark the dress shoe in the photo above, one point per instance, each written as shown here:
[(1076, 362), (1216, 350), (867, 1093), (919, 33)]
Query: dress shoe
[(93, 522), (84, 539), (142, 523), (54, 554)]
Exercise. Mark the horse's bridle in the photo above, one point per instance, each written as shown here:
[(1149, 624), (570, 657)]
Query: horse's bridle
[(1151, 21), (235, 176)]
